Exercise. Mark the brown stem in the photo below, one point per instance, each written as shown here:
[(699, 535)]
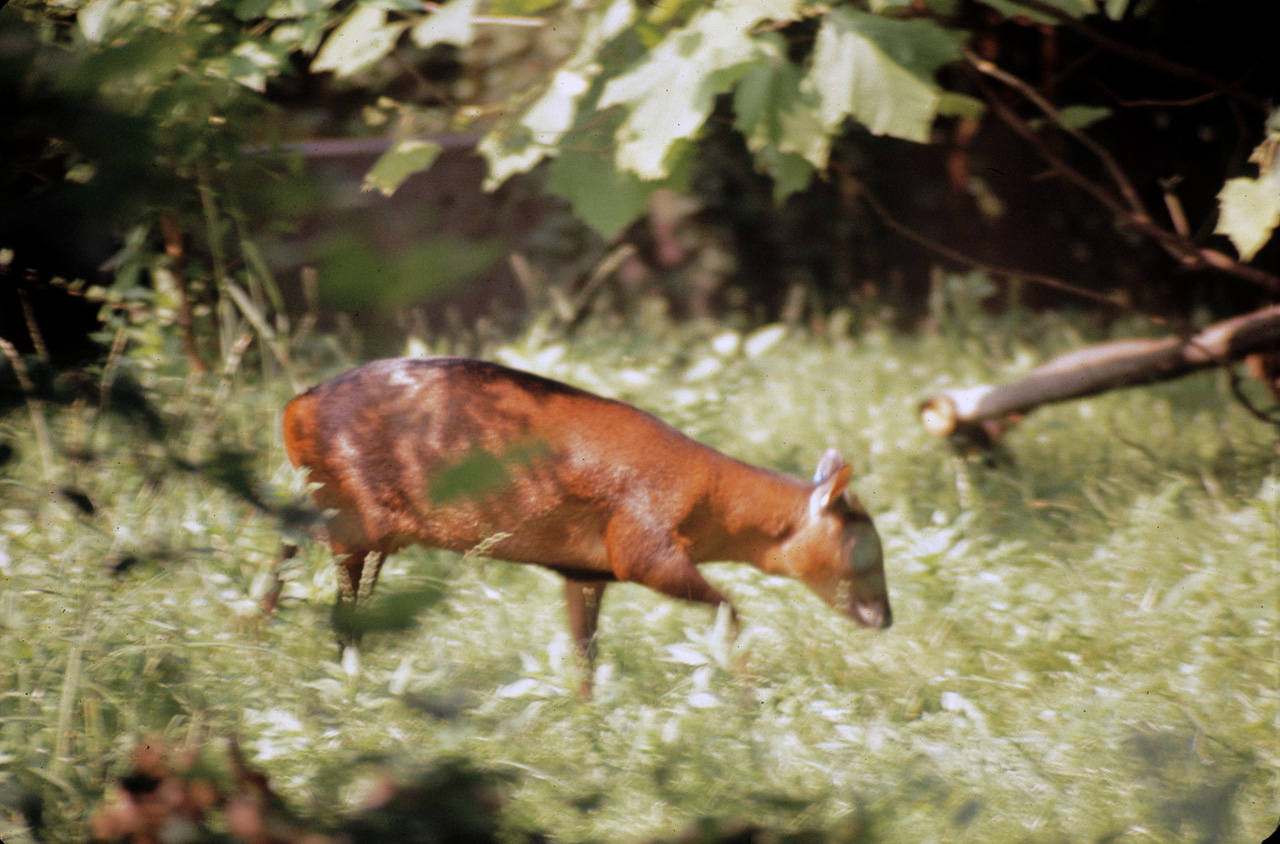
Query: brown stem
[(1185, 252), (1144, 57), (34, 409), (33, 326), (1127, 190), (1106, 366), (968, 260), (172, 234)]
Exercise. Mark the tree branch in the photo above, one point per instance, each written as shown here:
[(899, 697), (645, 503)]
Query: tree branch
[(1127, 190), (1105, 366), (968, 260), (1184, 251), (1144, 57)]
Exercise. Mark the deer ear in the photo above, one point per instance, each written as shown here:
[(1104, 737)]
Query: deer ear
[(827, 491), (830, 463)]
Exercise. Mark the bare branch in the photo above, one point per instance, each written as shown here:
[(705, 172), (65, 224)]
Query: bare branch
[(1106, 366), (1184, 251), (1144, 57), (969, 260), (1136, 208)]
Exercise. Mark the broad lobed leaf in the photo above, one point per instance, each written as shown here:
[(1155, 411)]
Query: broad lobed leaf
[(670, 93), (879, 72), (405, 158), (362, 39), (533, 133), (1249, 212), (453, 23)]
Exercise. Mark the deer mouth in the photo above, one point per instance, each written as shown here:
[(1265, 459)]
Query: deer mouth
[(874, 614)]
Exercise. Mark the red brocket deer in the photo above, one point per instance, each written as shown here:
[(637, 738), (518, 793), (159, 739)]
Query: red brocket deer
[(592, 488)]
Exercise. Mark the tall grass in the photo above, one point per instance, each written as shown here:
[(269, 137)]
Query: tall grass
[(1085, 646)]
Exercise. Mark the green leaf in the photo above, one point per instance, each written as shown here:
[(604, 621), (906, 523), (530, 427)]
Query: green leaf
[(1080, 116), (520, 7), (952, 104), (405, 158), (1117, 8), (943, 8), (251, 63), (362, 39), (1076, 116), (879, 71), (452, 23), (509, 149), (1249, 212), (1074, 8), (602, 196), (356, 275), (670, 93), (300, 9), (771, 110), (790, 172), (534, 132)]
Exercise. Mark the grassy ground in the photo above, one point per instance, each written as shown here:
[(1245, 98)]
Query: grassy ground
[(1085, 646)]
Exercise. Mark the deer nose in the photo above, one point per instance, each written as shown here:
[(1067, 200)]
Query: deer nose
[(874, 613)]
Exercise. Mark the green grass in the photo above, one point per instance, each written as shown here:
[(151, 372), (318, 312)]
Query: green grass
[(1085, 646)]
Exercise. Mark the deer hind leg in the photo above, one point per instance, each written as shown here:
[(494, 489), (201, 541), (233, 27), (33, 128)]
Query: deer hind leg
[(356, 578), (583, 600)]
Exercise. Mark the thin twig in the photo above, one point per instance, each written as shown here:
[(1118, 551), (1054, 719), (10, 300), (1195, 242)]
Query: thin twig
[(969, 260), (1186, 253), (1157, 103), (603, 271), (225, 310), (33, 326), (94, 414), (171, 232), (1237, 391), (34, 409), (1144, 57), (1127, 190)]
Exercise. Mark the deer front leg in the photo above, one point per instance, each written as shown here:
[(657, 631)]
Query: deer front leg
[(583, 600), (656, 562)]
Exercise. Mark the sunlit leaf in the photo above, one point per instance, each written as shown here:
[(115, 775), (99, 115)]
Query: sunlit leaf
[(1249, 211), (452, 23), (1074, 8), (879, 72), (405, 158), (94, 19), (1117, 8), (361, 40), (252, 63), (670, 93), (534, 133)]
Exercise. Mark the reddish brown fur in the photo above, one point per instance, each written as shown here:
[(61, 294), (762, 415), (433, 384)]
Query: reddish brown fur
[(593, 488)]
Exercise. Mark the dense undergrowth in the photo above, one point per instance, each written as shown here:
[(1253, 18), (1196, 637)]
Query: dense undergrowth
[(1085, 646)]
